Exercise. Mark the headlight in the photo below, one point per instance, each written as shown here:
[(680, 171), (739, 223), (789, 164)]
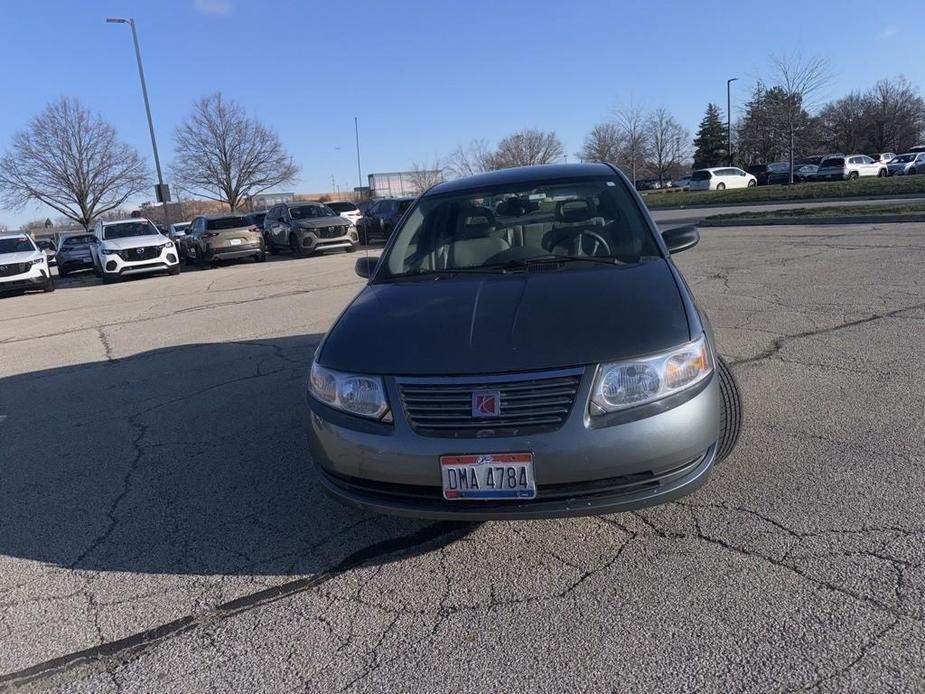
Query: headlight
[(169, 244), (39, 260), (359, 395), (635, 382), (109, 251)]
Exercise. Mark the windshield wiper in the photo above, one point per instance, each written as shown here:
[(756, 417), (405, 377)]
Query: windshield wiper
[(547, 260)]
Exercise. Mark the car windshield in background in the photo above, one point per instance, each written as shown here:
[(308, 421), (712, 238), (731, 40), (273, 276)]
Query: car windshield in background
[(342, 206), (311, 212), (903, 159), (779, 167), (16, 244), (701, 176), (125, 230), (403, 205), (82, 240), (834, 161), (181, 227), (507, 228), (45, 244), (221, 223)]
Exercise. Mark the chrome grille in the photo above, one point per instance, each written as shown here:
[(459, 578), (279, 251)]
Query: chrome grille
[(140, 253), (530, 404), (331, 232), (10, 269)]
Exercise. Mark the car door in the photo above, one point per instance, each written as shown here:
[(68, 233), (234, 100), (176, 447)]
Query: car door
[(919, 165), (867, 166)]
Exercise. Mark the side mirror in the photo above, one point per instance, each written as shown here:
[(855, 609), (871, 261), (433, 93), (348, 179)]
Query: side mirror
[(366, 266), (681, 238)]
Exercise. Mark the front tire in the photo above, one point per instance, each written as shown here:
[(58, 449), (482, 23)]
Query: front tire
[(720, 186), (175, 270), (109, 279), (853, 176), (881, 173), (731, 424), (297, 250), (912, 172), (752, 184), (62, 273), (260, 257), (50, 285)]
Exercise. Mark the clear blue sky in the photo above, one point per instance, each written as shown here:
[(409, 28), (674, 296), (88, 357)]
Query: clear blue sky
[(424, 77)]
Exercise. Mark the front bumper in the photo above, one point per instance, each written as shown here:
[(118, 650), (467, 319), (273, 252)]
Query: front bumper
[(36, 277), (76, 263), (579, 470), (114, 265), (313, 243)]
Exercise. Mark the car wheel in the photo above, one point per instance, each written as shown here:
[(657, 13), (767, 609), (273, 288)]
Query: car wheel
[(881, 173), (297, 250), (720, 186), (752, 184), (260, 257), (175, 270), (731, 423), (62, 273), (270, 247), (50, 285), (109, 279), (912, 172), (853, 176), (352, 248)]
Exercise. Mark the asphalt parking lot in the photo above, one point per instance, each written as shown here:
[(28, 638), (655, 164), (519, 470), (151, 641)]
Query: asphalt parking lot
[(163, 529)]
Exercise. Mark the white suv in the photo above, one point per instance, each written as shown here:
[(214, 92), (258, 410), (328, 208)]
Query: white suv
[(848, 168), (346, 209), (131, 247), (23, 265)]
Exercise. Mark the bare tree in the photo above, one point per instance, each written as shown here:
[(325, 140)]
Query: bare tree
[(424, 175), (800, 79), (896, 116), (468, 161), (603, 143), (666, 143), (72, 161), (526, 148), (224, 155), (631, 121)]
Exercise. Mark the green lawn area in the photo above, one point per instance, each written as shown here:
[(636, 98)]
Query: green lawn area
[(837, 211), (898, 185)]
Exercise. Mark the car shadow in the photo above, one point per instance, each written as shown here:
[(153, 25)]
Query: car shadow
[(187, 460)]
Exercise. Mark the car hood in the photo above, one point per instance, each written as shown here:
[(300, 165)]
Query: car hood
[(320, 223), (21, 257), (508, 323), (134, 242)]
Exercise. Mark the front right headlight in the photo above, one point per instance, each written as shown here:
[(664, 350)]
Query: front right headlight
[(352, 393), (633, 382)]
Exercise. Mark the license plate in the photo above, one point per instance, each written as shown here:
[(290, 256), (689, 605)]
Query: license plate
[(488, 476), (235, 242)]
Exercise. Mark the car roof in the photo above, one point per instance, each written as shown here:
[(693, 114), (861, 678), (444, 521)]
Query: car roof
[(130, 219), (304, 203), (13, 234), (522, 174)]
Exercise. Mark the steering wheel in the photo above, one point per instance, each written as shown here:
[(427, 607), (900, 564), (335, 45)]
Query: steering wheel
[(576, 234)]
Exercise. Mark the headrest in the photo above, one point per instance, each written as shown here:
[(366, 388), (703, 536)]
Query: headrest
[(574, 210)]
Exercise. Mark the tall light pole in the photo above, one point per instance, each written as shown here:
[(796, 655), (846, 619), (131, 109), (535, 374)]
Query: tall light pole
[(356, 131), (162, 193), (729, 118)]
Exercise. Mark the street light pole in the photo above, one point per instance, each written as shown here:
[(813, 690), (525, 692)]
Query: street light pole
[(356, 131), (729, 118), (144, 93)]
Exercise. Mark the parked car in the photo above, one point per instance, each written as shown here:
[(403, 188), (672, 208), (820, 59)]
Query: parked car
[(222, 237), (801, 174), (382, 217), (648, 184), (907, 164), (520, 363), (132, 247), (23, 265), (49, 248), (882, 157), (917, 149), (720, 178), (74, 254), (256, 219), (816, 159), (682, 182), (346, 209), (306, 228), (849, 168), (177, 232), (762, 172)]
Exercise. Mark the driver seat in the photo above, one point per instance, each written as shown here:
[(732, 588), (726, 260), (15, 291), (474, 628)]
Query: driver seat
[(579, 215)]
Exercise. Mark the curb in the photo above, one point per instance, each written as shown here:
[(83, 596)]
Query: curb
[(804, 221), (783, 201)]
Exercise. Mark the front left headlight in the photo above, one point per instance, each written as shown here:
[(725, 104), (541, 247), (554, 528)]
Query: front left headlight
[(38, 261), (352, 393), (633, 382), (169, 244)]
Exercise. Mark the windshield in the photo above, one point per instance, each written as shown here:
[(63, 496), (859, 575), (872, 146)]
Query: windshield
[(903, 158), (16, 244), (779, 167), (342, 206), (124, 230), (311, 212), (181, 227), (594, 219), (221, 223), (45, 244), (82, 240), (702, 175)]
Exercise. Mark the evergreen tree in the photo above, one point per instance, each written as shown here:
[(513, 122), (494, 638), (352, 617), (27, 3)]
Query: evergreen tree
[(710, 143)]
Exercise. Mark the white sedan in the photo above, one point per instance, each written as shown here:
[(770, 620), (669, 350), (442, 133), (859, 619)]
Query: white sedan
[(721, 178)]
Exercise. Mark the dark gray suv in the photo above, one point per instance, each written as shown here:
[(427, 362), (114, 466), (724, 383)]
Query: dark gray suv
[(525, 348)]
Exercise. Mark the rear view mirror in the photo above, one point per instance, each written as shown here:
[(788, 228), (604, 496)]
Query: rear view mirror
[(681, 238), (366, 266)]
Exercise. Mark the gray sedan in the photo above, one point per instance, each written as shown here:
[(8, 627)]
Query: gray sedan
[(525, 348)]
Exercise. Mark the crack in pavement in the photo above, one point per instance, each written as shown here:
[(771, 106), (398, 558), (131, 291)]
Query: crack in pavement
[(122, 649), (779, 343)]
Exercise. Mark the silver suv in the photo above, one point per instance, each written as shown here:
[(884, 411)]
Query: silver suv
[(849, 168), (907, 164), (306, 228)]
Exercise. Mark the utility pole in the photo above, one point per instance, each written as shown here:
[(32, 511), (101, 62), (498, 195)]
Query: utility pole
[(162, 193), (356, 132), (729, 119)]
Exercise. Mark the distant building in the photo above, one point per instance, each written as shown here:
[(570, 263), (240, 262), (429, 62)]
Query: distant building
[(264, 201), (401, 183)]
